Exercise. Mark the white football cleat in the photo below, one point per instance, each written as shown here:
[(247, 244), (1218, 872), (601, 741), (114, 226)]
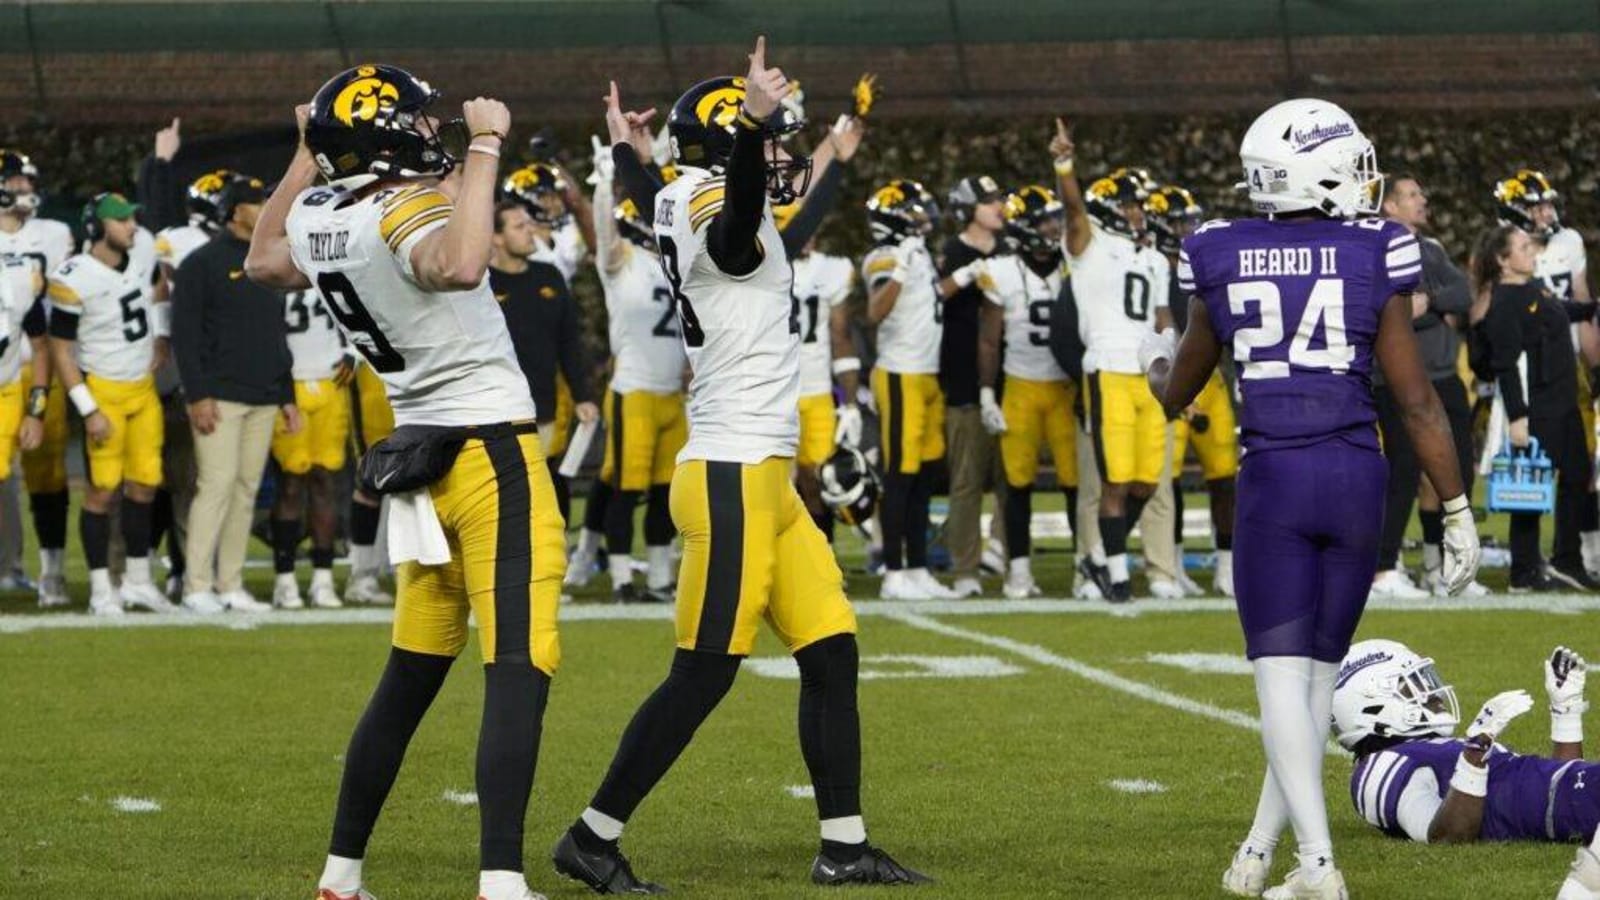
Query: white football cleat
[(323, 596), (897, 586), (241, 601), (1021, 586), (53, 592), (286, 593), (1247, 875), (1189, 585), (1331, 887), (146, 595), (203, 602), (967, 586), (365, 590), (929, 587), (1166, 589), (1222, 579), (580, 568), (1583, 881), (527, 894), (106, 603), (1395, 584)]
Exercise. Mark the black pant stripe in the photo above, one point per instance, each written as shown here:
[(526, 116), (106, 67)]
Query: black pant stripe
[(1096, 419), (725, 571), (357, 430), (897, 422), (513, 549), (616, 439)]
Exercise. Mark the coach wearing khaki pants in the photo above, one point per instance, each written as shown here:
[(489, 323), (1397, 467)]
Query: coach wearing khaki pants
[(229, 337)]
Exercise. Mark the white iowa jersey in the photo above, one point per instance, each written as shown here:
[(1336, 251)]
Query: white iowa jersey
[(21, 289), (113, 306), (444, 358), (1118, 286), (564, 250), (173, 245), (909, 337), (740, 334), (45, 241), (643, 325), (821, 282), (314, 341), (1562, 262), (1027, 300)]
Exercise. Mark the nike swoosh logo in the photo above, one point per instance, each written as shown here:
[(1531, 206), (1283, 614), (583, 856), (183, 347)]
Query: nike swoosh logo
[(235, 274), (826, 871), (387, 477)]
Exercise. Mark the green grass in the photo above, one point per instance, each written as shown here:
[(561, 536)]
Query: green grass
[(996, 786)]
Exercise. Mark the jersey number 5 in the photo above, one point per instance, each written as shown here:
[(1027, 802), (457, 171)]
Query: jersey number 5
[(135, 324), (358, 323)]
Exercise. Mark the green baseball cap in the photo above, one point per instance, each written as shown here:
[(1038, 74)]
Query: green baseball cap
[(114, 206)]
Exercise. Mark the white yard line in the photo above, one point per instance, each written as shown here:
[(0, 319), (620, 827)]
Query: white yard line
[(1554, 604), (1136, 786)]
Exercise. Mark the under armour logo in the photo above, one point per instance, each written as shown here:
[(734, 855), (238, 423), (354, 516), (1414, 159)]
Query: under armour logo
[(1579, 785)]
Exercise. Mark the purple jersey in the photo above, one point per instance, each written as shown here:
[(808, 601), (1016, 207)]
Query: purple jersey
[(1530, 797), (1299, 302)]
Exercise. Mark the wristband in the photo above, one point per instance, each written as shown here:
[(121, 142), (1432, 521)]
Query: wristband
[(489, 132), (83, 401), (163, 318), (846, 364), (747, 121), (486, 151), (1064, 166), (1470, 779), (38, 401), (1566, 728), (1456, 504), (986, 396)]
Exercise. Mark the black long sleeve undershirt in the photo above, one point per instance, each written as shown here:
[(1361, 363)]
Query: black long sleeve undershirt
[(731, 238), (814, 209), (639, 183)]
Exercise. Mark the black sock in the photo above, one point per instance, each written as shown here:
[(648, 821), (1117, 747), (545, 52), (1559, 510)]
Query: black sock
[(1432, 525), (136, 528), (658, 528), (619, 522), (321, 558), (50, 519), (1019, 516), (94, 530), (1072, 514), (1224, 540), (1589, 513), (514, 697), (587, 840), (663, 727), (595, 508), (1177, 510), (285, 543), (1114, 534), (363, 524), (409, 683), (892, 517), (917, 518), (830, 724), (160, 517), (824, 522)]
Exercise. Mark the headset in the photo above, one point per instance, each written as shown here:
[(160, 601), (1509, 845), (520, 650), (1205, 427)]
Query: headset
[(93, 228)]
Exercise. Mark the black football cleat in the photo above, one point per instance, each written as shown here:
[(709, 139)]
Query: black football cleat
[(1099, 576), (606, 872), (1121, 592), (872, 867)]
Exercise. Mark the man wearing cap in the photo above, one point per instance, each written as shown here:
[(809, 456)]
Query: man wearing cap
[(977, 202), (109, 314), (230, 337)]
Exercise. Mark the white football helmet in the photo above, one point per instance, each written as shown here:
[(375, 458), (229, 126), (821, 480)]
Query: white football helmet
[(1310, 154), (1387, 690)]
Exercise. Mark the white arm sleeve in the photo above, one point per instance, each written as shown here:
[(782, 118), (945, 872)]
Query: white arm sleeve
[(1419, 803)]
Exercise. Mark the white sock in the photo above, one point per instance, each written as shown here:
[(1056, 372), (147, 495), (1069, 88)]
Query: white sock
[(603, 826), (341, 875), (621, 569), (136, 570), (1293, 735), (1021, 568), (501, 885), (1118, 564), (1591, 541), (99, 581), (361, 560), (589, 542), (845, 830), (660, 573), (1224, 558), (285, 580), (322, 576), (1272, 816), (1432, 557), (50, 561)]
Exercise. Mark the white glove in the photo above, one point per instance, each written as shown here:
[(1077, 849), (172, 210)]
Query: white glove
[(1564, 675), (975, 272), (604, 169), (994, 421), (1157, 345), (661, 147), (1461, 549), (847, 433), (905, 253), (1498, 713)]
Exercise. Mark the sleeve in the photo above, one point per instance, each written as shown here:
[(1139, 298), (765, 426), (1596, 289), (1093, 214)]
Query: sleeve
[(65, 305), (1402, 262), (1187, 281), (1418, 804), (705, 202), (408, 217), (159, 194), (569, 251), (877, 266), (731, 238), (844, 283), (1503, 330), (819, 201), (572, 355), (605, 227), (638, 183), (1160, 281), (189, 348), (1448, 289), (36, 322)]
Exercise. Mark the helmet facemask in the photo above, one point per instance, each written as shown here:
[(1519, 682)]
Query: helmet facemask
[(427, 147), (1400, 697)]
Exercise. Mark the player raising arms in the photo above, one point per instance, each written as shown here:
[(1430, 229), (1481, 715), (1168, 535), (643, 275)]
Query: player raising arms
[(1307, 297), (404, 270), (750, 550)]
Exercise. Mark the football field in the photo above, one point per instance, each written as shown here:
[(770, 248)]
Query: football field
[(1052, 748)]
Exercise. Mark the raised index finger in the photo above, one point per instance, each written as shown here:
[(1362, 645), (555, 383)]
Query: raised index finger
[(1061, 127), (758, 59)]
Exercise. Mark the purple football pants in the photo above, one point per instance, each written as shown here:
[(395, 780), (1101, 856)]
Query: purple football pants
[(1305, 547)]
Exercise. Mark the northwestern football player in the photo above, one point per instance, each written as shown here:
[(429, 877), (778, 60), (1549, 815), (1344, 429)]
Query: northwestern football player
[(1307, 296)]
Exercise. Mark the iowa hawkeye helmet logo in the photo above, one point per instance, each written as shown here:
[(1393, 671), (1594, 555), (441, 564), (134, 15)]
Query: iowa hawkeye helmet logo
[(362, 98), (720, 108)]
